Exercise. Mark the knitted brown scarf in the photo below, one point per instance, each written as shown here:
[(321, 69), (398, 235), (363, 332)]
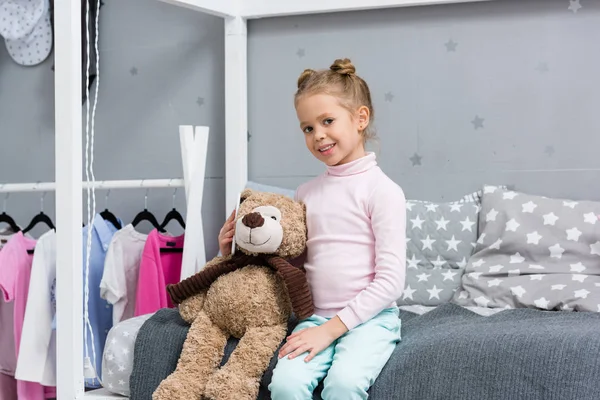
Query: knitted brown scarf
[(293, 277)]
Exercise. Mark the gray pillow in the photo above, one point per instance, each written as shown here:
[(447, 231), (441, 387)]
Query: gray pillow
[(534, 252), (440, 239)]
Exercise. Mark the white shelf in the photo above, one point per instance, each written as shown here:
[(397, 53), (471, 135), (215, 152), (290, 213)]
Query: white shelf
[(279, 8), (219, 8), (103, 394)]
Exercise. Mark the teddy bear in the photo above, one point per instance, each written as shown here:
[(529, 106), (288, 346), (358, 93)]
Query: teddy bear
[(249, 295)]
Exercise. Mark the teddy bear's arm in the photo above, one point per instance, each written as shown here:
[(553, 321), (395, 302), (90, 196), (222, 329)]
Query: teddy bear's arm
[(197, 283)]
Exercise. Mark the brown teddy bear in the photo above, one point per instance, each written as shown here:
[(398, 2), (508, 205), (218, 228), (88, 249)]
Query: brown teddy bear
[(249, 295)]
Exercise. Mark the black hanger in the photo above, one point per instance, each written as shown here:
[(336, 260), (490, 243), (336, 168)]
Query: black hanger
[(7, 219), (4, 217), (146, 215), (173, 215), (39, 218), (109, 216)]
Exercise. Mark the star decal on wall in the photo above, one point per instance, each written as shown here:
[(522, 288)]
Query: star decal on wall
[(300, 53), (477, 122), (549, 150), (133, 71), (416, 159), (389, 96), (200, 101), (451, 45), (542, 67), (574, 6)]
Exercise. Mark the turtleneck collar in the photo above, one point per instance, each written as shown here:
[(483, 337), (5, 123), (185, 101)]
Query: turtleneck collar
[(353, 167)]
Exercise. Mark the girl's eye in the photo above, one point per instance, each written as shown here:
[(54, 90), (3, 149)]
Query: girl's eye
[(328, 121), (308, 129)]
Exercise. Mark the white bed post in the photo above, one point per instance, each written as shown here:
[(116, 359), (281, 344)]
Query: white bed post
[(68, 152), (236, 110), (194, 148)]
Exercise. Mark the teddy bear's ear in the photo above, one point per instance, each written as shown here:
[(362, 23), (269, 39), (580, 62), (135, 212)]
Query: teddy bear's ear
[(245, 194)]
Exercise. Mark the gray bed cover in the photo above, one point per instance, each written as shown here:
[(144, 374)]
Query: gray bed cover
[(449, 353)]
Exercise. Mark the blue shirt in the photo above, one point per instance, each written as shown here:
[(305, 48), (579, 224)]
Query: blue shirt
[(99, 310)]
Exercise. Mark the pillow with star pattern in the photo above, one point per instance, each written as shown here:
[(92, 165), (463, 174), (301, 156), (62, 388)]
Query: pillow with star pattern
[(440, 238), (534, 252)]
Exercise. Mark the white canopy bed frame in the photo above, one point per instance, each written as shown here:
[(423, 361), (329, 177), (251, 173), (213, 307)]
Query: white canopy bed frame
[(68, 152)]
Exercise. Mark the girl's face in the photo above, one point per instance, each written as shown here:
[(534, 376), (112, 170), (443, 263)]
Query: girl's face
[(332, 134)]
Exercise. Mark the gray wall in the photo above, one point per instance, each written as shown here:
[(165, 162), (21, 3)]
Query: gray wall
[(527, 68)]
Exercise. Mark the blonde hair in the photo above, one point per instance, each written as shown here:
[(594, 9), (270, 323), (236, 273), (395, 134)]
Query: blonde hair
[(340, 81)]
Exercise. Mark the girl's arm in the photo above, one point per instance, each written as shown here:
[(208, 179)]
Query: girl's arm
[(387, 208)]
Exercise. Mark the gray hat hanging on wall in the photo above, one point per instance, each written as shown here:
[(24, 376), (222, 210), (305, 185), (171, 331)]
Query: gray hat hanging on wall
[(25, 26)]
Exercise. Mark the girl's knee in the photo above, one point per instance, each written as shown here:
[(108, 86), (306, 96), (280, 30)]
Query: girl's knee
[(289, 384), (346, 384)]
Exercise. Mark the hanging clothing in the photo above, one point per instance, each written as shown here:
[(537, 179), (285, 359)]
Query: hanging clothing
[(37, 351), (8, 355), (8, 387), (121, 270), (157, 270), (100, 311), (26, 28), (90, 37), (15, 273)]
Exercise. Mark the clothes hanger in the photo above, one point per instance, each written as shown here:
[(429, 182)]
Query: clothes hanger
[(109, 216), (4, 217), (173, 215), (40, 218), (146, 215)]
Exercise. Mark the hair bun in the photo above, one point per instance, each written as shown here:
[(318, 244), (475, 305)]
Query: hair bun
[(304, 76), (343, 66)]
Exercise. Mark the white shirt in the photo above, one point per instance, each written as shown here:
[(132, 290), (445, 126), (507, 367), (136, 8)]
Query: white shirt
[(121, 268), (37, 351)]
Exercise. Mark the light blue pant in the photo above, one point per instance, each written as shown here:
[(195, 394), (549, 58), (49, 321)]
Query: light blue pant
[(349, 365)]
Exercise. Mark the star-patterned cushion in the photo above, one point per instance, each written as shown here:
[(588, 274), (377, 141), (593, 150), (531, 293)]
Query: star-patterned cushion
[(534, 252), (117, 360), (440, 239)]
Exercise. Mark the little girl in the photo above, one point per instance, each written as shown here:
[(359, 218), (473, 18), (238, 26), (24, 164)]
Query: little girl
[(355, 263)]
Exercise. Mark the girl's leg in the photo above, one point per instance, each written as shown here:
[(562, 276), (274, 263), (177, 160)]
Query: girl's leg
[(360, 355), (296, 379)]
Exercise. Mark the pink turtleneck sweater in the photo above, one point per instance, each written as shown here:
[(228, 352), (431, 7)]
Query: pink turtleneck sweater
[(356, 219)]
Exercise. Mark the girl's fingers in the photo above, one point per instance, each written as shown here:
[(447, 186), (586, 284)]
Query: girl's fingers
[(298, 351)]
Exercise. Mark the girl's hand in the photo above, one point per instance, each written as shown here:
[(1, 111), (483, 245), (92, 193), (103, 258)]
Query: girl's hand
[(226, 235), (314, 339)]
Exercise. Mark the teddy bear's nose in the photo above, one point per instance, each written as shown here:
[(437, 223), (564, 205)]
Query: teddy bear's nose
[(253, 220)]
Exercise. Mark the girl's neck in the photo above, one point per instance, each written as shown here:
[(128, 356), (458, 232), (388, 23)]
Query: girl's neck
[(356, 166)]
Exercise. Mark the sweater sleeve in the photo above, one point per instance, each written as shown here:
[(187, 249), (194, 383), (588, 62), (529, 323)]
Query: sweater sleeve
[(387, 209)]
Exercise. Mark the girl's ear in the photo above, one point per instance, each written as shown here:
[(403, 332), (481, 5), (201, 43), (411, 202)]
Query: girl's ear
[(363, 117)]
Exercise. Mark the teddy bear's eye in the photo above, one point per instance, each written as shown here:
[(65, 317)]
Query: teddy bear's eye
[(275, 218)]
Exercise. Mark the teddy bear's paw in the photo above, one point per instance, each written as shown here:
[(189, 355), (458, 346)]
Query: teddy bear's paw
[(178, 388), (225, 385)]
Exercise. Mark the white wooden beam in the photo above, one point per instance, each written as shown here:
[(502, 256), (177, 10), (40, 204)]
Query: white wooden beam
[(236, 110), (68, 161), (194, 147), (279, 8), (219, 8)]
